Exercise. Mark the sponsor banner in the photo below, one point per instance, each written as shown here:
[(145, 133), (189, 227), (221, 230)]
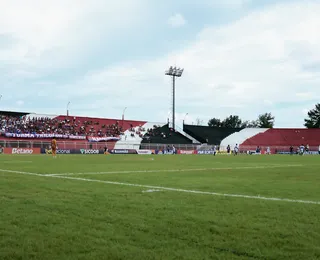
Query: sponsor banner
[(73, 151), (224, 152), (59, 151), (295, 152), (213, 152), (186, 152), (89, 151), (77, 137), (206, 152), (44, 136), (21, 150), (123, 151), (252, 152), (145, 152), (102, 139), (163, 152)]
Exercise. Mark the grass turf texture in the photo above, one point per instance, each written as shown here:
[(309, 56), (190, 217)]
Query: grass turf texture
[(52, 218)]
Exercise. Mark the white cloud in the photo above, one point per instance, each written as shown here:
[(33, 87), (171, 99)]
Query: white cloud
[(57, 30), (258, 60), (245, 67), (20, 103), (228, 3), (177, 20)]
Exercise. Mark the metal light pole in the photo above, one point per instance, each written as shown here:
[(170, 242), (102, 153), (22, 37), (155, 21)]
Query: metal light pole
[(174, 72), (124, 110), (68, 108), (185, 117)]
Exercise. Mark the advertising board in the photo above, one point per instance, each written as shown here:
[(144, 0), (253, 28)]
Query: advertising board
[(163, 152), (73, 151), (89, 151), (21, 150), (59, 151), (306, 153), (146, 152), (186, 152), (123, 151), (206, 152)]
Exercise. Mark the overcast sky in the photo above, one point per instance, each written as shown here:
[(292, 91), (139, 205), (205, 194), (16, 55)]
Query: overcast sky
[(240, 57)]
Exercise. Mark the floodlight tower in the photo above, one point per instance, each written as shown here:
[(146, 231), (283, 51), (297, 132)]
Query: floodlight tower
[(174, 72), (68, 108)]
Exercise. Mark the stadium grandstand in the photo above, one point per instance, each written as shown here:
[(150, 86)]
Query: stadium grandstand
[(21, 129)]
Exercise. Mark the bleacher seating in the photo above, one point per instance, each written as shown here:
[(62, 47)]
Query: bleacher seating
[(165, 135), (130, 133), (79, 126), (100, 126), (241, 136), (210, 135), (285, 137)]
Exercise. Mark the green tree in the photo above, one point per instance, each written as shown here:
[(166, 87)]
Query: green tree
[(249, 124), (265, 120), (313, 120), (232, 121), (214, 122)]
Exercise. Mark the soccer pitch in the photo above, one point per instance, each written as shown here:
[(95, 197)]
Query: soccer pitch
[(159, 207)]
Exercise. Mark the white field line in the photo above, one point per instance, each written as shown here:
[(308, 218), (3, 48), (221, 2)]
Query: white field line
[(20, 172), (167, 188), (15, 161), (182, 170)]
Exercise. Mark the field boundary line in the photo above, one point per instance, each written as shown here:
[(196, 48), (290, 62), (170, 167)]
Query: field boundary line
[(168, 188), (24, 173), (180, 170), (16, 161)]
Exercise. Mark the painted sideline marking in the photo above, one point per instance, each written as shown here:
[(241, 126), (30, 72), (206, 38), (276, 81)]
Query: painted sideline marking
[(181, 170), (167, 188), (16, 161)]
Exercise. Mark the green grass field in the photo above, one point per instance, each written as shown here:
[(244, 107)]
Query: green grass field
[(159, 207)]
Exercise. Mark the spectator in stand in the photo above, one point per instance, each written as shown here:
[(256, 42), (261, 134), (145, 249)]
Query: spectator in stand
[(45, 125)]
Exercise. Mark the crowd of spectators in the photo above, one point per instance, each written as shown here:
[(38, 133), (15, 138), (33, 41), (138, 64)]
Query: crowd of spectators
[(66, 126), (158, 131), (139, 131)]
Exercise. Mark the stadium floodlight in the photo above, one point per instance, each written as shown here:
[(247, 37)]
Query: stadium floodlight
[(185, 117), (68, 108), (174, 72), (124, 110)]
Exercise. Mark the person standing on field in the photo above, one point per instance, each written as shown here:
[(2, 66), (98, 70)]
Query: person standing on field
[(236, 150), (268, 150), (54, 148)]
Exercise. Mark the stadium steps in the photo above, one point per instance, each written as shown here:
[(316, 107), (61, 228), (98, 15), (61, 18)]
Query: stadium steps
[(240, 137), (285, 137), (194, 140), (214, 135), (129, 142)]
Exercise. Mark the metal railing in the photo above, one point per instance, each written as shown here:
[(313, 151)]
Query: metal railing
[(87, 145), (151, 146), (144, 146)]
